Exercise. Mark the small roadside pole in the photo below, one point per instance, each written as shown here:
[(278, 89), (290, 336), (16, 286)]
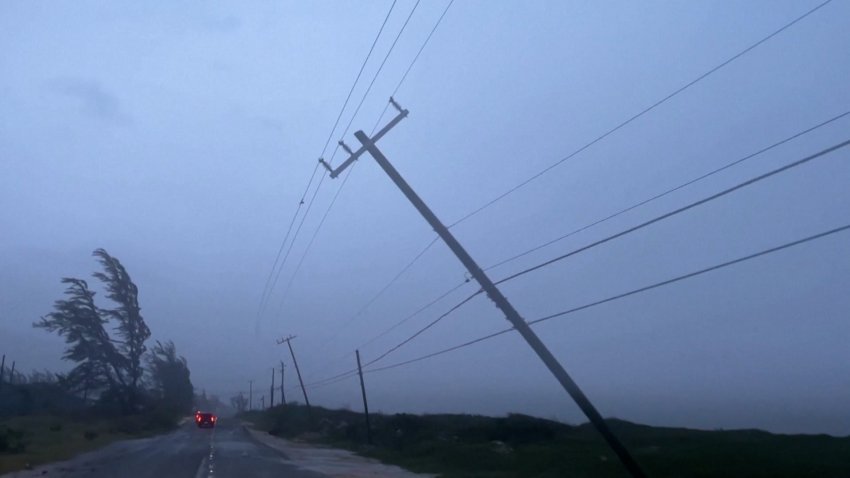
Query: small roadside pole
[(282, 395), (271, 395), (2, 369), (288, 341), (263, 402), (250, 395), (365, 403)]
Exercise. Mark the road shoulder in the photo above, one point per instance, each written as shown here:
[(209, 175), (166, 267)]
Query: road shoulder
[(332, 462)]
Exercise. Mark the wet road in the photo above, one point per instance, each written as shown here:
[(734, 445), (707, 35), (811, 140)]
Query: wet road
[(189, 452)]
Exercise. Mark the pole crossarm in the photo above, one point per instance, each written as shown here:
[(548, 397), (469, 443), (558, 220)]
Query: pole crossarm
[(354, 155)]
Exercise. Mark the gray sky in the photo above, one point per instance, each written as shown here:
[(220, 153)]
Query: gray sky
[(180, 137)]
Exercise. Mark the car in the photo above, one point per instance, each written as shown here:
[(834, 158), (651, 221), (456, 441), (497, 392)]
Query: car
[(205, 419)]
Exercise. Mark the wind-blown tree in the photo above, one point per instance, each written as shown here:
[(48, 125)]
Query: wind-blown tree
[(170, 375), (99, 364), (131, 328)]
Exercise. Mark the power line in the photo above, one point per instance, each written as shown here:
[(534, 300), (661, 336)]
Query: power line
[(357, 78), (313, 238), (297, 231), (378, 72), (423, 329), (638, 115), (692, 205), (410, 66), (620, 234), (420, 254), (693, 274), (398, 323), (359, 105), (412, 315), (669, 191), (266, 290), (433, 241), (623, 295), (380, 292)]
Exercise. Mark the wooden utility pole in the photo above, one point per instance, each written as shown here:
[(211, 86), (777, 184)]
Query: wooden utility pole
[(493, 292), (271, 395), (250, 395), (365, 403), (288, 341), (282, 395)]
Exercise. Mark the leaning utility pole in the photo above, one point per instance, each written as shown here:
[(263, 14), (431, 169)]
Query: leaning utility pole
[(493, 292), (365, 404), (282, 395), (250, 395), (288, 341), (271, 395)]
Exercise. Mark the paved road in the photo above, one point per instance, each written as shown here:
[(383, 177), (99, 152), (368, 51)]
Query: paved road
[(189, 452)]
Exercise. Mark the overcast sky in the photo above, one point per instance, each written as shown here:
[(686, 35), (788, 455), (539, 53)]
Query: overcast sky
[(180, 137)]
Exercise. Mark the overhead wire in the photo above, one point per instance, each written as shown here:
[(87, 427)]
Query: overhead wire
[(435, 239), (622, 295), (357, 78), (266, 287), (423, 329), (354, 115), (620, 234), (419, 255), (638, 115), (312, 239), (348, 126), (629, 120), (715, 196), (413, 62), (669, 191), (680, 210), (378, 72), (380, 293)]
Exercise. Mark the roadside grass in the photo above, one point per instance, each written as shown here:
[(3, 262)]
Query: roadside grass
[(36, 440), (471, 446)]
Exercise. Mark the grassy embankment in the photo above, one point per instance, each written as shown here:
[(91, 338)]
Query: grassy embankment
[(523, 446), (34, 440)]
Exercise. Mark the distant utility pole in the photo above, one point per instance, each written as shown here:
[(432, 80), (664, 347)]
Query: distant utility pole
[(282, 395), (2, 370), (263, 402), (271, 395), (250, 395), (288, 341), (12, 373), (365, 403), (493, 292)]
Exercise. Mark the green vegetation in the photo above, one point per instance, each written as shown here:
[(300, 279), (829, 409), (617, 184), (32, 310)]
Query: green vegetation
[(523, 446), (118, 388), (34, 440)]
